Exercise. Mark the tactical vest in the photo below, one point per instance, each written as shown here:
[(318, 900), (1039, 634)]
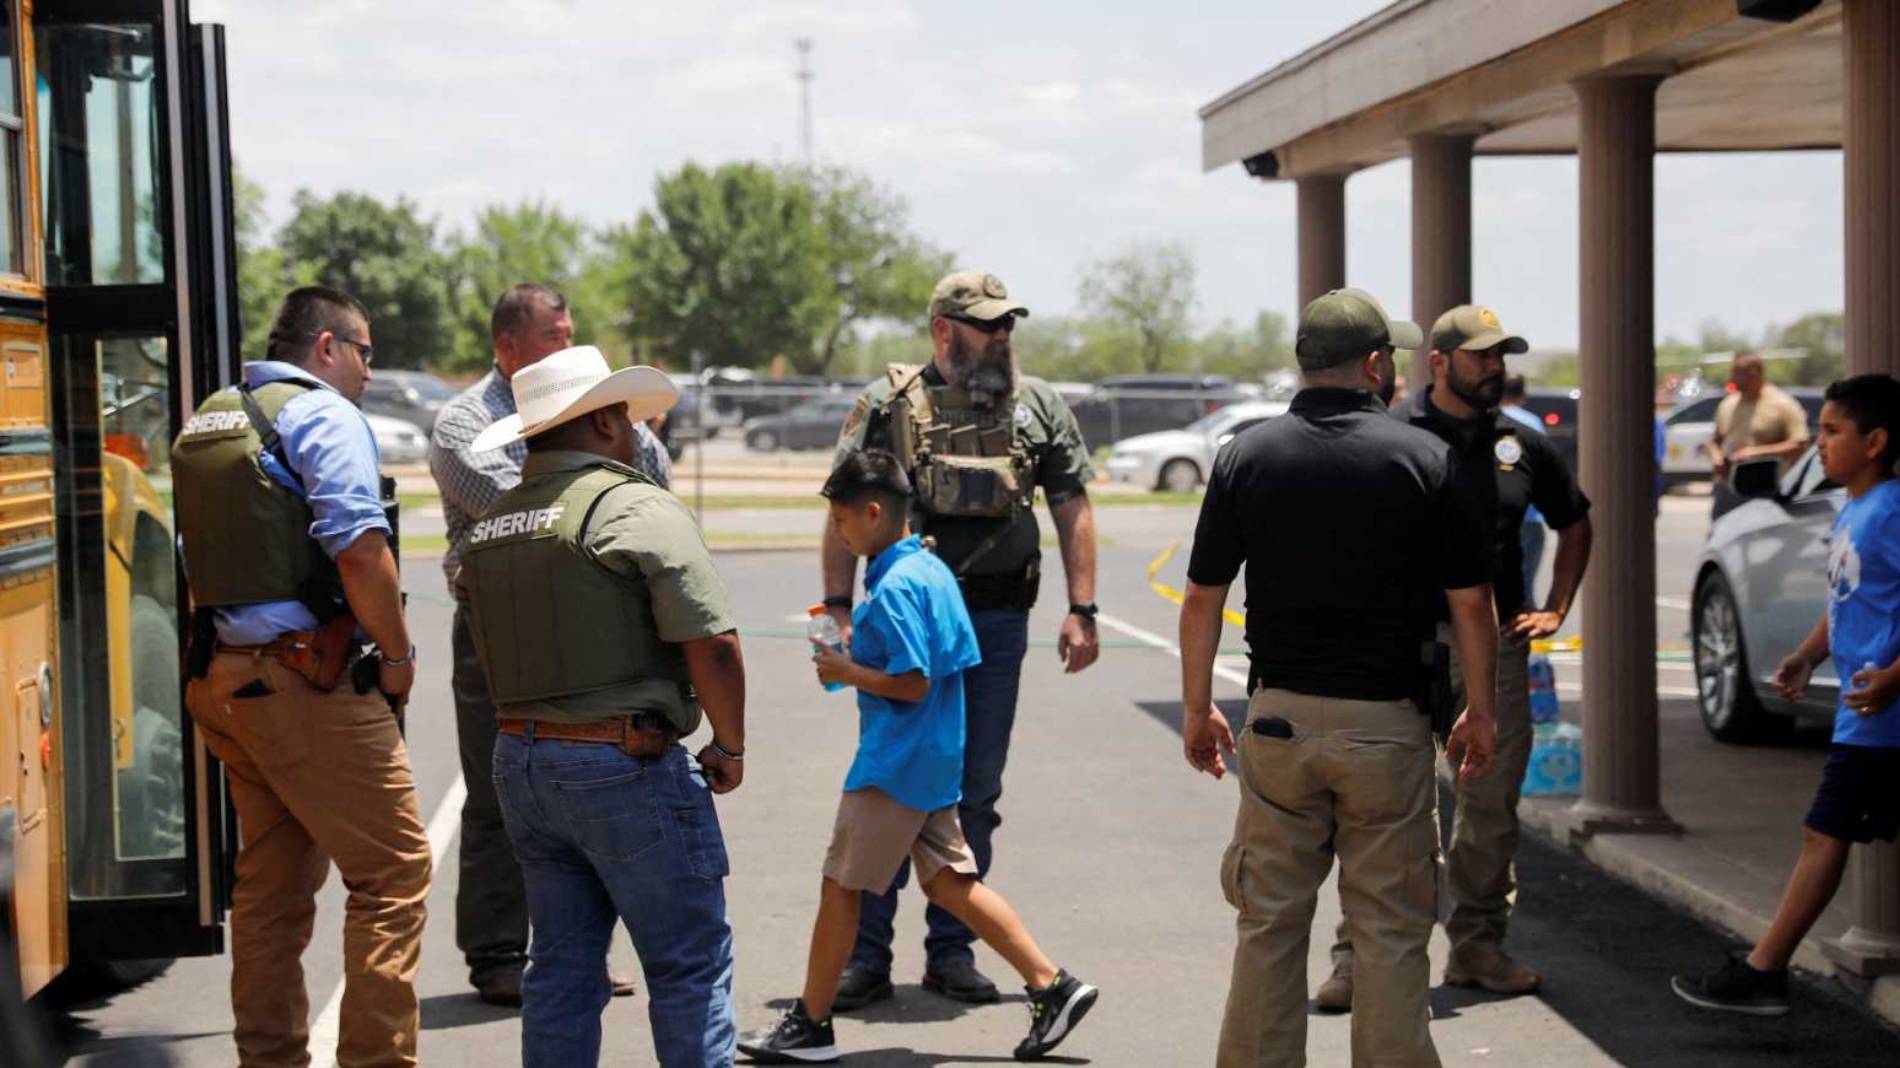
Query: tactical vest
[(964, 459), (247, 536), (549, 619)]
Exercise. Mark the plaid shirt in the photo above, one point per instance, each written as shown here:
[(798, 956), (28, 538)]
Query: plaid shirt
[(470, 481)]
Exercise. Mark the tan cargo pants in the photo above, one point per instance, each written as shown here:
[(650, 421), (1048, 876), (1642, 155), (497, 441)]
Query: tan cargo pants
[(316, 777), (1481, 880), (1355, 778)]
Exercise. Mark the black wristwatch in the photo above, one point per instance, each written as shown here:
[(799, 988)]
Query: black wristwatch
[(1086, 611), (838, 601)]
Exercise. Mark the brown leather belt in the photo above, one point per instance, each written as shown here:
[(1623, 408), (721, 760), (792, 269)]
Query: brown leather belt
[(286, 644), (620, 731)]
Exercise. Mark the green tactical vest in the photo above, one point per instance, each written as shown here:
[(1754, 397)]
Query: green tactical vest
[(247, 536), (551, 621), (965, 460)]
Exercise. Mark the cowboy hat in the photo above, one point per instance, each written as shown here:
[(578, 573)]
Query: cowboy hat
[(568, 385)]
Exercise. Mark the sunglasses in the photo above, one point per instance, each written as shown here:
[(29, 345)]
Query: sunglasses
[(986, 326)]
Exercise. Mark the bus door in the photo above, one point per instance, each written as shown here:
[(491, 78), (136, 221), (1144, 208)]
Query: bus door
[(140, 273)]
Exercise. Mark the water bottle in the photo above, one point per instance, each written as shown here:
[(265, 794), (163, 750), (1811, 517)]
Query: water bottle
[(823, 629), (1543, 680), (1556, 764)]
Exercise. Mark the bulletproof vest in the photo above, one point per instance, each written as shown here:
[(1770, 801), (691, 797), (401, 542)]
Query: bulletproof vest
[(247, 536), (965, 458), (549, 619)]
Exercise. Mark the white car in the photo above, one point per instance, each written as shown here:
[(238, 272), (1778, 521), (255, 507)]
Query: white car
[(399, 441), (1179, 460)]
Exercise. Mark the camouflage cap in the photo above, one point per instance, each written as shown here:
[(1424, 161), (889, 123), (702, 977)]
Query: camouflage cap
[(1346, 324), (973, 295), (1469, 326)]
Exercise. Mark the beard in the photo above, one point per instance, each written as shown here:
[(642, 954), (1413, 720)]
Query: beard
[(1388, 381), (1483, 394), (985, 372)]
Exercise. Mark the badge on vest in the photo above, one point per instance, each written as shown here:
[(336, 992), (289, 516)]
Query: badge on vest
[(1022, 414), (1508, 452)]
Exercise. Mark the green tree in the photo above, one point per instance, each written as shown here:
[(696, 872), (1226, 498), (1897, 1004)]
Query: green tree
[(530, 242), (725, 263), (1148, 290), (876, 268), (265, 274), (1824, 336), (386, 256)]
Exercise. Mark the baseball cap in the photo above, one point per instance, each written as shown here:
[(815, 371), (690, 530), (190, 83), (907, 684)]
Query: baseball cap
[(1346, 324), (1473, 327), (973, 295)]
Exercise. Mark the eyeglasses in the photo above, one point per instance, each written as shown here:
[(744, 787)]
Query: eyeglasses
[(986, 326), (369, 353)]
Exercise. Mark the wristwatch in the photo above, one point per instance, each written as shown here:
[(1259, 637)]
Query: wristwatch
[(397, 661), (837, 600), (1086, 611)]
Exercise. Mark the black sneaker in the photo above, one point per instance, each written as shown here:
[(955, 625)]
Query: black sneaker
[(858, 988), (1053, 1013), (795, 1039), (1736, 988), (960, 981)]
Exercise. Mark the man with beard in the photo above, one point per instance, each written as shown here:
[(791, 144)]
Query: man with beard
[(976, 439), (1512, 469)]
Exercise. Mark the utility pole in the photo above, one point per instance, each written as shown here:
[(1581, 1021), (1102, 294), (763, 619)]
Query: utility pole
[(804, 99)]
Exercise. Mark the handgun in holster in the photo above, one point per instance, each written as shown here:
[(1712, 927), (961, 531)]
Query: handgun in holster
[(1436, 698)]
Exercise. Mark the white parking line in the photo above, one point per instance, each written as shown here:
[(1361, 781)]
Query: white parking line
[(1678, 603), (1166, 646), (442, 827)]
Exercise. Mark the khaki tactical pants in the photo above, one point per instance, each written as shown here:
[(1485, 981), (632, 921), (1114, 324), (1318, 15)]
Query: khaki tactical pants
[(1481, 879), (316, 777), (1354, 779)]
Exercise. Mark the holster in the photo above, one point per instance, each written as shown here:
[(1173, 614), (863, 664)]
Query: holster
[(1436, 697), (1008, 590), (202, 643), (329, 653)]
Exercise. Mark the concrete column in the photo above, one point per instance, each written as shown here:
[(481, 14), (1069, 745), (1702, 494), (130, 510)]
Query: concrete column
[(1871, 162), (1322, 235), (1441, 235), (1615, 157)]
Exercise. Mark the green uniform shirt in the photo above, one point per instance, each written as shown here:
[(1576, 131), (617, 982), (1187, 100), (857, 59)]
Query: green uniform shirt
[(650, 537), (1052, 438)]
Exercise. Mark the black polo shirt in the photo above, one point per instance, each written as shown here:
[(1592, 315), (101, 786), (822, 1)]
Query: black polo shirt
[(1512, 467), (1350, 523)]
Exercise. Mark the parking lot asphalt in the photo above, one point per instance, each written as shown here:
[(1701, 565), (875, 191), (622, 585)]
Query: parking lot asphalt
[(1109, 850)]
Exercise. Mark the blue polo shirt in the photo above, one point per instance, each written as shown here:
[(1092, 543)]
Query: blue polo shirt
[(912, 619), (335, 466), (1863, 606)]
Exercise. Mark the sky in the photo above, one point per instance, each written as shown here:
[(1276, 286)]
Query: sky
[(1029, 138)]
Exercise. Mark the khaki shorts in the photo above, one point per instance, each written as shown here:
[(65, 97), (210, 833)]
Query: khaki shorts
[(874, 834)]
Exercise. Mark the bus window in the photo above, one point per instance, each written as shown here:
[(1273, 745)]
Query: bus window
[(12, 133), (99, 121)]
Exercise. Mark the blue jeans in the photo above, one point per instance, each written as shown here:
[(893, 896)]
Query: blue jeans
[(603, 836), (989, 693)]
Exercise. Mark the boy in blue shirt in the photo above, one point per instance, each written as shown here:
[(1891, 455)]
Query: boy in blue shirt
[(1860, 629), (911, 641)]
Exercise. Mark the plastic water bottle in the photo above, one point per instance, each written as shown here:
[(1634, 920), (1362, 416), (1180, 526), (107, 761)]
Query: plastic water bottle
[(1543, 690), (823, 629), (1556, 765)]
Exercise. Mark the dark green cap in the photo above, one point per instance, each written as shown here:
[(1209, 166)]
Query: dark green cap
[(1346, 324)]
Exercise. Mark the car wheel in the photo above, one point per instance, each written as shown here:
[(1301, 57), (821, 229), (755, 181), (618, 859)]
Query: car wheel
[(763, 441), (1725, 694), (1179, 476)]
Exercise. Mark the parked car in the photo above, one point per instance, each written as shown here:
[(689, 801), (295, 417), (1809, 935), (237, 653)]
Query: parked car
[(812, 425), (1127, 405), (1692, 425), (399, 441), (1760, 585), (1179, 460), (411, 396), (1557, 408)]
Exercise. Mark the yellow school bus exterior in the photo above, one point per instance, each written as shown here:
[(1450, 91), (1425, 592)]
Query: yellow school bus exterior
[(117, 274)]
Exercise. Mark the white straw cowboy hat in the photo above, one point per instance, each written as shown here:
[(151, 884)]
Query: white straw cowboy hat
[(569, 384)]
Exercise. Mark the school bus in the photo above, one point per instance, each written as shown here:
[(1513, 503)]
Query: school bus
[(117, 313)]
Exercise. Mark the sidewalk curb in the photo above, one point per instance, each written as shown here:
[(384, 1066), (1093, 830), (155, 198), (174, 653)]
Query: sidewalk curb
[(1624, 856)]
